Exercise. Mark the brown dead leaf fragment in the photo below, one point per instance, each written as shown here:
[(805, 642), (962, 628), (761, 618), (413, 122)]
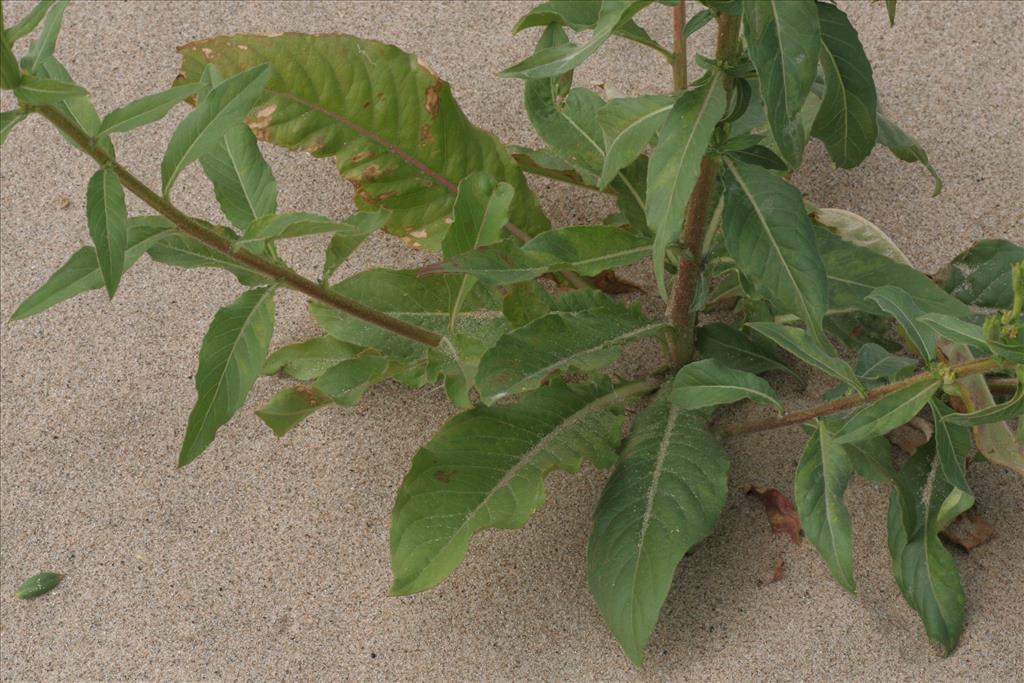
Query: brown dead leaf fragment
[(780, 571), (968, 531), (610, 283), (782, 514)]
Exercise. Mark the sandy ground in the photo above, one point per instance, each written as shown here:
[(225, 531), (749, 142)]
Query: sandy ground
[(267, 558)]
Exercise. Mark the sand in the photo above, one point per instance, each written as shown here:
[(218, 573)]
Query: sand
[(267, 558)]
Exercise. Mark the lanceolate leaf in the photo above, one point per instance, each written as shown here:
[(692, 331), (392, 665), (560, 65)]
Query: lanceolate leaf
[(392, 124), (996, 413), (486, 468), (43, 46), (920, 507), (585, 249), (558, 59), (676, 162), (887, 413), (980, 276), (145, 110), (579, 15), (353, 231), (905, 147), (301, 224), (230, 360), (226, 105), (821, 479), (706, 383), (8, 120), (664, 498), (847, 119), (737, 350), (955, 330), (290, 407), (423, 301), (242, 180), (784, 39), (108, 225), (876, 364), (586, 340), (309, 359), (347, 381), (855, 271), (897, 303), (480, 212), (35, 90), (629, 125), (799, 343), (185, 252), (78, 109), (29, 22), (859, 231), (952, 445), (82, 273), (769, 235)]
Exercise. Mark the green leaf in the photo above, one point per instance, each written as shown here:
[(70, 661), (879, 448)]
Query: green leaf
[(900, 305), (890, 8), (242, 180), (821, 478), (225, 106), (697, 22), (185, 252), (860, 232), (351, 233), (486, 467), (799, 343), (78, 109), (629, 125), (145, 110), (769, 235), (854, 272), (8, 120), (955, 330), (847, 119), (784, 40), (40, 91), (872, 459), (546, 163), (580, 15), (706, 383), (308, 360), (396, 132), (289, 225), (905, 147), (347, 381), (887, 413), (29, 22), (952, 445), (663, 498), (585, 249), (875, 363), (422, 301), (556, 60), (924, 570), (526, 302), (81, 272), (994, 413), (43, 46), (480, 212), (230, 360), (40, 584), (759, 155), (737, 350), (676, 164), (585, 340), (290, 407), (108, 225), (980, 276)]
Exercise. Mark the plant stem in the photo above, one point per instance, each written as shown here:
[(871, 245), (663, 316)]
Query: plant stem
[(697, 216), (972, 367), (192, 228), (679, 76)]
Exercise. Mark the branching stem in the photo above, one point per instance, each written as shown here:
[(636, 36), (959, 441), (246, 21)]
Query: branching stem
[(192, 228), (972, 367)]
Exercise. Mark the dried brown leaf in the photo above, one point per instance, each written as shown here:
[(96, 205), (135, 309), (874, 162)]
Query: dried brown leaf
[(782, 514)]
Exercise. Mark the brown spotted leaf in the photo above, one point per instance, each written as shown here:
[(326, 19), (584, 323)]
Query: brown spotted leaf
[(782, 514), (396, 132)]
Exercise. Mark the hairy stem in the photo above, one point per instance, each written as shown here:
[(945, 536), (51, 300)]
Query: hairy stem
[(697, 215), (679, 76), (285, 276), (972, 367)]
